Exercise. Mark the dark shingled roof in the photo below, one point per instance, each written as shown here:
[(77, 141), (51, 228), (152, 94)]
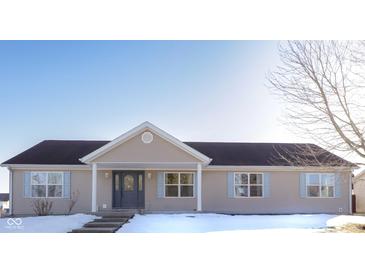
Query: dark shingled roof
[(266, 154), (58, 152)]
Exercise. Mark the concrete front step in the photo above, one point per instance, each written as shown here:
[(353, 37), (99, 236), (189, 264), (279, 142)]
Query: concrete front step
[(95, 230), (125, 212), (124, 216), (108, 220), (104, 224)]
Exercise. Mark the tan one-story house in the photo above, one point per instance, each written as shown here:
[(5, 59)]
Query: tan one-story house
[(147, 168)]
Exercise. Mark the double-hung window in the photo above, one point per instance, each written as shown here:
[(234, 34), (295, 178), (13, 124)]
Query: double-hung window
[(179, 184), (320, 185), (46, 184), (248, 184)]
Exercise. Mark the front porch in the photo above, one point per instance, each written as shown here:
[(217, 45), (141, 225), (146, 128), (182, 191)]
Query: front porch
[(138, 161), (140, 187)]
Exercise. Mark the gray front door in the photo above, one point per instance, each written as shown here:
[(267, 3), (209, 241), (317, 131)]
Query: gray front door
[(128, 189)]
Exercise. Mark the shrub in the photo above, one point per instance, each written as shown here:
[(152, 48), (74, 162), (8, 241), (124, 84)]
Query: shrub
[(73, 200), (42, 207)]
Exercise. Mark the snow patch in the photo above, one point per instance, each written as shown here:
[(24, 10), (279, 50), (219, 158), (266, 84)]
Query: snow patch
[(44, 224), (204, 223)]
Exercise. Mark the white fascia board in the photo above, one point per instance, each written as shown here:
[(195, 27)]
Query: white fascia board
[(181, 145), (206, 168), (109, 146), (274, 168), (135, 131), (47, 167)]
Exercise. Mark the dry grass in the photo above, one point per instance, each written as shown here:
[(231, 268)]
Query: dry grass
[(348, 228)]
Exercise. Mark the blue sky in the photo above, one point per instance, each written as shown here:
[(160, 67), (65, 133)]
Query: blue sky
[(195, 90)]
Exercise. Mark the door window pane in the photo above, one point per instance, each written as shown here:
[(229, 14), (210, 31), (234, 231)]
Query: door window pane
[(140, 182), (116, 182), (128, 183)]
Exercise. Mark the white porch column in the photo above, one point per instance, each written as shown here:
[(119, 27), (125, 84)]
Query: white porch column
[(199, 187), (10, 192), (94, 187)]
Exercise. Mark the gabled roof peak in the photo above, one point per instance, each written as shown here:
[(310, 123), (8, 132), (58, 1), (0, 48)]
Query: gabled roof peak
[(135, 131)]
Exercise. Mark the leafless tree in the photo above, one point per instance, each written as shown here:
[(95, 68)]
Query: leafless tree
[(322, 84), (73, 200), (305, 155)]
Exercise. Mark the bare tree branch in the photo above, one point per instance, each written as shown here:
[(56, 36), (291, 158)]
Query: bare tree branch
[(322, 84)]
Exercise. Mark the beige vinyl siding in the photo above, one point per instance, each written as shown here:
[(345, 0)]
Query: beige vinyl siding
[(80, 181), (284, 196), (135, 151)]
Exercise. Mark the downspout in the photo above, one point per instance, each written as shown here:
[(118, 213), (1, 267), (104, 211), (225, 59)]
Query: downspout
[(350, 192), (94, 188), (199, 187), (10, 191)]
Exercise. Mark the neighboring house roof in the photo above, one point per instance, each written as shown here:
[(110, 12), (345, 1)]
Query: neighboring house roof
[(60, 152), (359, 177), (4, 197)]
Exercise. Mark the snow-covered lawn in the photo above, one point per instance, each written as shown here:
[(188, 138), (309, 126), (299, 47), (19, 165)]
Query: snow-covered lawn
[(192, 223), (44, 224), (185, 223)]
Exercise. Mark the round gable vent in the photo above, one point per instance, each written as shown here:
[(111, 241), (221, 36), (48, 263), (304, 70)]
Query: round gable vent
[(147, 137)]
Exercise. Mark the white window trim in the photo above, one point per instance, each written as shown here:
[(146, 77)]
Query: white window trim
[(248, 186), (178, 185), (320, 185), (46, 172)]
